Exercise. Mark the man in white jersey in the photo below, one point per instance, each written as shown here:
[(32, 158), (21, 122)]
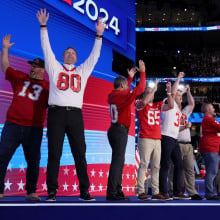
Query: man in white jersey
[(67, 85), (170, 150), (184, 139)]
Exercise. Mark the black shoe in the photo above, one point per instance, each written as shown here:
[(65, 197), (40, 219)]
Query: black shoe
[(112, 197), (123, 197), (214, 198), (196, 197), (85, 196), (51, 197)]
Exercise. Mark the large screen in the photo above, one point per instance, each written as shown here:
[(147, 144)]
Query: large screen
[(72, 23)]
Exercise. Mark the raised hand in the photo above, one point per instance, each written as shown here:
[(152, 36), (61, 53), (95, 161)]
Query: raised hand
[(42, 16), (100, 26), (181, 75), (132, 72), (6, 42), (141, 67)]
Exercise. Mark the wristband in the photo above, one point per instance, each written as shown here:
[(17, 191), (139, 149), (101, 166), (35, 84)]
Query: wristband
[(169, 93), (43, 25), (99, 36)]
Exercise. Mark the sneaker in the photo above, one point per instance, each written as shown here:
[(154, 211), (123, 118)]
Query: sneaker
[(86, 197), (181, 196), (196, 197), (1, 195), (143, 196), (214, 198), (32, 197), (158, 197), (51, 197), (167, 198)]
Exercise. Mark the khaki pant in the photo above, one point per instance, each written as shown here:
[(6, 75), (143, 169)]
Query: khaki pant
[(150, 151), (188, 169)]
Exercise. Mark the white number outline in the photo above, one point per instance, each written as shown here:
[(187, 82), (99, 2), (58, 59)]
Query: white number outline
[(36, 92), (113, 107), (153, 117)]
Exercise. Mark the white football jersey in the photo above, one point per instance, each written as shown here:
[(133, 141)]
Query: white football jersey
[(170, 122), (67, 83), (184, 135)]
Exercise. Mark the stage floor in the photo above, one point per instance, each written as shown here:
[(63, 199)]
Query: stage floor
[(101, 200), (68, 208)]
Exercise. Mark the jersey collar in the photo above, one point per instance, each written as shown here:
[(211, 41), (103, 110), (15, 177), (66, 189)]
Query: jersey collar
[(69, 67)]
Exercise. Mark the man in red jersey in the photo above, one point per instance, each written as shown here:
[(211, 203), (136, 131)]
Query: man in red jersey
[(149, 115), (25, 118), (120, 101), (209, 148)]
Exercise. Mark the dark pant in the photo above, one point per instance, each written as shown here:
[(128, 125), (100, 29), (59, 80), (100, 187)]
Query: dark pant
[(30, 137), (118, 137), (170, 150), (59, 122)]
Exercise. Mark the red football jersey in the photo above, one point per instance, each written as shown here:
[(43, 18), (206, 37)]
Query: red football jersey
[(120, 102), (210, 135), (150, 120), (30, 99)]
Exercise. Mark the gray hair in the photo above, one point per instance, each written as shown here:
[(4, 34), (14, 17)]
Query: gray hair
[(118, 81), (204, 107)]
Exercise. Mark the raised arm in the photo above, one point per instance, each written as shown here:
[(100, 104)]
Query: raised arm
[(176, 84), (148, 97), (170, 100), (5, 47), (51, 63), (131, 74), (142, 83), (190, 99), (87, 67)]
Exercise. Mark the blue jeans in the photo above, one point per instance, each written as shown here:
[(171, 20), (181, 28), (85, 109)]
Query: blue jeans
[(30, 137), (211, 160)]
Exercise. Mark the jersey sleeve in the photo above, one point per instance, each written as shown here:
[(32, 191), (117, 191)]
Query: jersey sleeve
[(187, 110), (129, 80), (12, 74), (87, 67), (51, 64)]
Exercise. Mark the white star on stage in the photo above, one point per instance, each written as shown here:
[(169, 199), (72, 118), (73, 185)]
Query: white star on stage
[(133, 188), (100, 187), (65, 187), (9, 166), (75, 187), (128, 175), (92, 187), (132, 176), (74, 172), (93, 172), (8, 185), (44, 185), (22, 166), (66, 171), (100, 173), (21, 186), (127, 188)]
